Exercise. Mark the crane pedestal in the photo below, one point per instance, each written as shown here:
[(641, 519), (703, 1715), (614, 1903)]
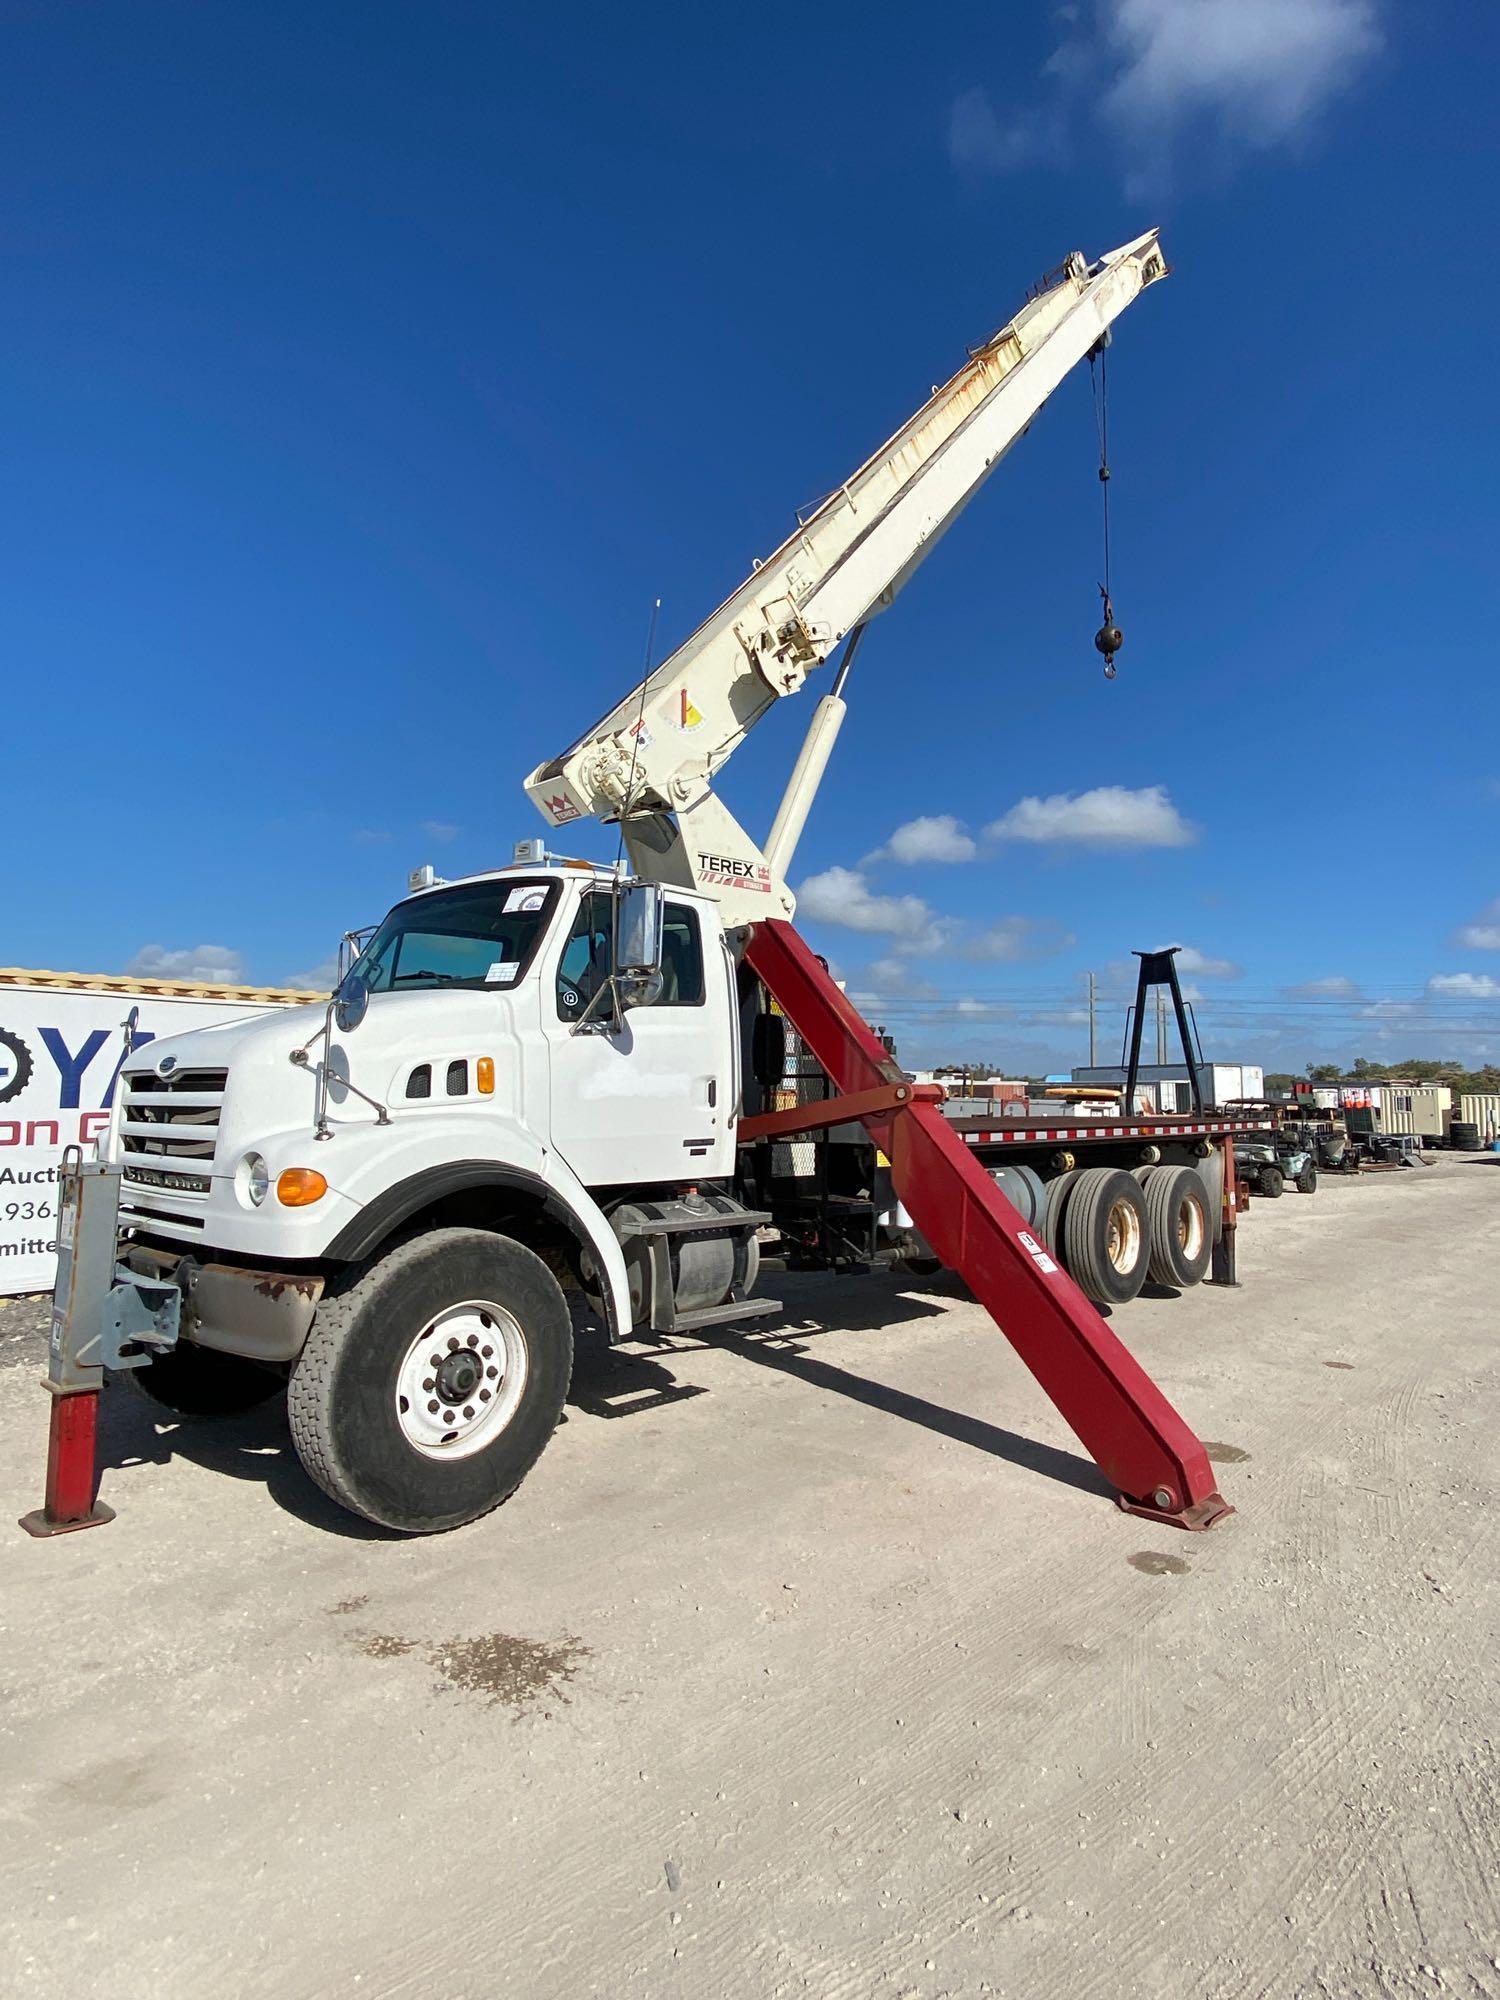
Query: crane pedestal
[(1140, 1443)]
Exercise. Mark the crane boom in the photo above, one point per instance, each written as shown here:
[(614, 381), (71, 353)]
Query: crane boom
[(649, 763)]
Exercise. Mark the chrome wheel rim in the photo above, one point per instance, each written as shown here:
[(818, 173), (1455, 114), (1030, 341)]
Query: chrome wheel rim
[(1123, 1241), (461, 1380)]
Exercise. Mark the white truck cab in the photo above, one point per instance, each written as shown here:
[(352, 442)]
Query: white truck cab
[(546, 1048)]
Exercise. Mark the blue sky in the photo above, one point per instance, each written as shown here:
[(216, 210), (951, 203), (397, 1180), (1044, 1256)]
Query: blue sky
[(370, 368)]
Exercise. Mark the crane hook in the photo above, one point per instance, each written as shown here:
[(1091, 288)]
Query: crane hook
[(1109, 638)]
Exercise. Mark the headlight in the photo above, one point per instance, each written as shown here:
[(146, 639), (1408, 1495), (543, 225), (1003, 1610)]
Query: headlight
[(252, 1180)]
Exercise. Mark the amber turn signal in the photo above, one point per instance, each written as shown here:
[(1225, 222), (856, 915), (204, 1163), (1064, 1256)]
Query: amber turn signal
[(298, 1186), (484, 1074)]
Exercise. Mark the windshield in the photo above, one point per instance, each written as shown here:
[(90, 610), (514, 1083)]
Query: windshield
[(476, 934)]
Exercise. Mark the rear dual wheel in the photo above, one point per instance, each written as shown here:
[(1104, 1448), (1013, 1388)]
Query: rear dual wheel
[(1181, 1224), (1100, 1227)]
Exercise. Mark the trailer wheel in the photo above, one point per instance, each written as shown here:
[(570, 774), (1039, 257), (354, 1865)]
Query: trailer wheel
[(430, 1384), (196, 1381), (1106, 1235), (1272, 1181), (1055, 1200), (1307, 1181), (1182, 1236)]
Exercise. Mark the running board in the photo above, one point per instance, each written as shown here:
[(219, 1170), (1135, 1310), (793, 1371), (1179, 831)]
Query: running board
[(1130, 1430), (725, 1315)]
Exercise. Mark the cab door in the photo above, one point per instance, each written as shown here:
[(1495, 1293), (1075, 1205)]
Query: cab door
[(648, 1100)]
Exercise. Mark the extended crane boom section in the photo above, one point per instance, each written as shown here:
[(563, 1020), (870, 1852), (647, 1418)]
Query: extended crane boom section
[(650, 761)]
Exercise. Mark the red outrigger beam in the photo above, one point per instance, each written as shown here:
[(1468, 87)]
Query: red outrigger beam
[(1122, 1419)]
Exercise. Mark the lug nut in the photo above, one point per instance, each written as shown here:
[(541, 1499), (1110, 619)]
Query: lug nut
[(486, 1352), (453, 1343), (468, 1409), (484, 1395), (433, 1407), (429, 1383), (493, 1374)]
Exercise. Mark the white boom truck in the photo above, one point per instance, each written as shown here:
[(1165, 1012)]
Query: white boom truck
[(539, 1079)]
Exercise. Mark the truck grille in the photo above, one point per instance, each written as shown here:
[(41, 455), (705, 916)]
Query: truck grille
[(173, 1117), (169, 1129)]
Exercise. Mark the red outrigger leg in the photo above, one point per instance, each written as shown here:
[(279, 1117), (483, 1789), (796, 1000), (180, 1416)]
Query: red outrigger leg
[(1123, 1420)]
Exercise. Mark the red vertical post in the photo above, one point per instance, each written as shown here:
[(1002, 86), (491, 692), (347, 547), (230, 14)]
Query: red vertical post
[(1123, 1420), (71, 1500), (1222, 1264)]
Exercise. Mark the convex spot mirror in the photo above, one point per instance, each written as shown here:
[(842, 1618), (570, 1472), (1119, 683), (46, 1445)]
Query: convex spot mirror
[(350, 1002)]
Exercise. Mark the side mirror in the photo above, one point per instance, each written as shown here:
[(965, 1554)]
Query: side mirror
[(639, 913)]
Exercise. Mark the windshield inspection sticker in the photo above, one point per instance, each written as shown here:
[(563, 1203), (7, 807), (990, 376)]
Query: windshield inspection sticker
[(502, 972), (524, 899), (1034, 1249)]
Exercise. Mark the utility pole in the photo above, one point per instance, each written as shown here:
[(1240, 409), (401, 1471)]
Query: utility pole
[(1093, 1036), (1161, 1028)]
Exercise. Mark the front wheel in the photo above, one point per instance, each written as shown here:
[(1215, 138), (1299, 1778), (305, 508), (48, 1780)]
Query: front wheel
[(431, 1383), (1307, 1181), (1272, 1181)]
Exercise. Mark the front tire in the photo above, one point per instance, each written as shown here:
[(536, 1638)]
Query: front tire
[(1272, 1181), (1307, 1180), (430, 1384)]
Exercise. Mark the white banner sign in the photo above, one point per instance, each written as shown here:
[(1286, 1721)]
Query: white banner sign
[(60, 1056)]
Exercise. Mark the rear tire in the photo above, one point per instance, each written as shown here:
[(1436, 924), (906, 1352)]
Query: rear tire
[(194, 1381), (1307, 1181), (1272, 1181), (430, 1384), (1105, 1238), (1181, 1225)]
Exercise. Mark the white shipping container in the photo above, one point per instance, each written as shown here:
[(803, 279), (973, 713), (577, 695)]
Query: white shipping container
[(61, 1048)]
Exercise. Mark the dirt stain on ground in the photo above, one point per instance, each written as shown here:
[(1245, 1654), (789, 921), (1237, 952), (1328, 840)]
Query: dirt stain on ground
[(385, 1646), (501, 1669), (1226, 1454), (516, 1672), (117, 1785), (346, 1606), (1151, 1562), (1338, 1364)]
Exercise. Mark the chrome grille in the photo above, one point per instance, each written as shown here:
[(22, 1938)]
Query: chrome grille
[(173, 1117)]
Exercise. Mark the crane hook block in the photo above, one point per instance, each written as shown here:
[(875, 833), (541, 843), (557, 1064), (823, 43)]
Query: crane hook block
[(1109, 639)]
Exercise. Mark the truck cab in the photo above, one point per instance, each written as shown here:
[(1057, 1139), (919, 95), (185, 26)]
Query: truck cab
[(526, 1082)]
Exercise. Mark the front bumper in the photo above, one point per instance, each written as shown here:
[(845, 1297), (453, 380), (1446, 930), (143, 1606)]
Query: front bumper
[(263, 1315)]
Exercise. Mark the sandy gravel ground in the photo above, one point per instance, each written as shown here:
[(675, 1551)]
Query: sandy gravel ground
[(812, 1661)]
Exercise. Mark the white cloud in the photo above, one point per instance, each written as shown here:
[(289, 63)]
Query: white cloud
[(317, 979), (978, 142), (1263, 69), (1465, 985), (1191, 960), (439, 830), (1247, 73), (214, 964), (842, 896), (1334, 988), (1108, 816), (1484, 933), (1016, 937), (893, 979), (931, 837)]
